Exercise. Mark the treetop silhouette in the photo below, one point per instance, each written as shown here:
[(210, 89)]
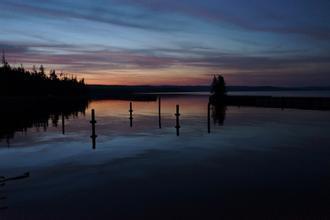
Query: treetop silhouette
[(218, 90), (17, 81)]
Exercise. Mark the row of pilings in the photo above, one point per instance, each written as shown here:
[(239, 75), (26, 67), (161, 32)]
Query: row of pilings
[(177, 120)]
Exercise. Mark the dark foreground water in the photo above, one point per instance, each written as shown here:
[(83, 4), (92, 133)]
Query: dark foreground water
[(257, 163)]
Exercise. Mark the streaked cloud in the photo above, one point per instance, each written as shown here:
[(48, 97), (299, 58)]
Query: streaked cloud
[(251, 42)]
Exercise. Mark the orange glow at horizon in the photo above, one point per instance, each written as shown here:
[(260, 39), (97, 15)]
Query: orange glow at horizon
[(168, 76)]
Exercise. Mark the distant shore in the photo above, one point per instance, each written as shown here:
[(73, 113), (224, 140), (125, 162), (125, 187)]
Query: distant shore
[(237, 96), (145, 91), (202, 88), (308, 103)]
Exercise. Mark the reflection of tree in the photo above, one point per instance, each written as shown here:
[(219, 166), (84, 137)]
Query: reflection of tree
[(18, 116), (219, 113)]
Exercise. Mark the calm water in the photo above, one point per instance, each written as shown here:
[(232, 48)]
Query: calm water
[(256, 163)]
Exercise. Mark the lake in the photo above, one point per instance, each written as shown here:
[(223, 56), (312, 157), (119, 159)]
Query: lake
[(256, 163)]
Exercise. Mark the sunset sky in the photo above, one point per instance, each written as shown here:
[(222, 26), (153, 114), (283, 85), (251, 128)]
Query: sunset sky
[(181, 42)]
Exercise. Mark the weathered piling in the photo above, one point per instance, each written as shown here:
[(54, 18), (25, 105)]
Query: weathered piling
[(130, 114), (209, 117), (159, 113), (63, 124), (93, 122), (177, 115)]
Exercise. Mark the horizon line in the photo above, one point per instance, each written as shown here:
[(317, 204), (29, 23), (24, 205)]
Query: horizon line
[(253, 86)]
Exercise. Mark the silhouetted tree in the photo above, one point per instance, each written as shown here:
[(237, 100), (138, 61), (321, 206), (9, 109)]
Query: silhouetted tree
[(218, 86), (16, 81), (218, 89), (4, 62), (42, 72), (52, 75)]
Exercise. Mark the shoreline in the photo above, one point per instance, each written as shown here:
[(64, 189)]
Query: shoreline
[(309, 103)]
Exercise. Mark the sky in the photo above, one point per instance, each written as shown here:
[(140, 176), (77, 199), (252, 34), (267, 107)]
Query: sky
[(172, 42)]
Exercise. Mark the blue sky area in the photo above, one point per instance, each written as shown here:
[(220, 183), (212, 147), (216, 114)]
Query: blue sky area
[(183, 42)]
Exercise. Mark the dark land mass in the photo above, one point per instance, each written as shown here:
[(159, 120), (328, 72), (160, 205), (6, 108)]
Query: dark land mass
[(150, 93), (122, 91), (18, 85), (308, 103), (104, 91), (273, 88)]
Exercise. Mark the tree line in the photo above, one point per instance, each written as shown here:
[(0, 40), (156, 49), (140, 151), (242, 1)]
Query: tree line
[(17, 81)]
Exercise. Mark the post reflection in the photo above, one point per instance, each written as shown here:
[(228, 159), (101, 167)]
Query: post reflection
[(159, 112), (93, 136), (177, 116), (130, 114)]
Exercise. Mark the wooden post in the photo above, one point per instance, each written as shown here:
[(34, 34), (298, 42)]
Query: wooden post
[(159, 113), (177, 114), (93, 122), (63, 124), (130, 114), (209, 117)]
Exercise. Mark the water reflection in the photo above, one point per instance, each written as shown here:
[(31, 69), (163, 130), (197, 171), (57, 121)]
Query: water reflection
[(177, 116), (159, 112), (219, 114), (93, 122), (20, 116), (130, 114), (156, 162)]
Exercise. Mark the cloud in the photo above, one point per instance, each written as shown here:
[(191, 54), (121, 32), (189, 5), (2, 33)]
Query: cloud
[(101, 14), (281, 18), (192, 37), (79, 59), (157, 15)]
